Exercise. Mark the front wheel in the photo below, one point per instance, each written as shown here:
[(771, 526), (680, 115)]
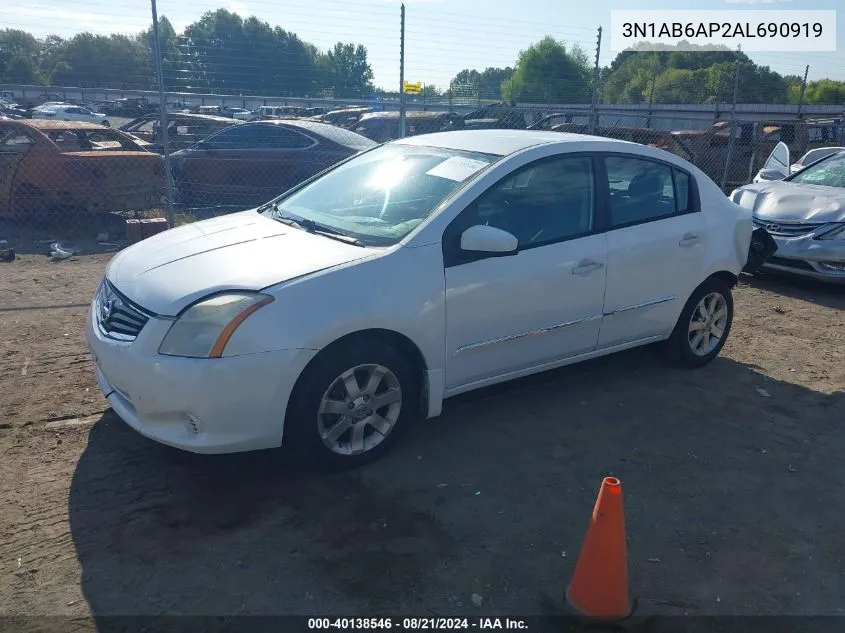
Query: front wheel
[(351, 405), (106, 123), (703, 327)]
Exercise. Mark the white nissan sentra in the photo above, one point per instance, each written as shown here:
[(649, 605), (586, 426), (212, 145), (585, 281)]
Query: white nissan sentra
[(354, 304)]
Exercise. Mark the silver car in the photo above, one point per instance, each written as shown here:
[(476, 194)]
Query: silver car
[(805, 214)]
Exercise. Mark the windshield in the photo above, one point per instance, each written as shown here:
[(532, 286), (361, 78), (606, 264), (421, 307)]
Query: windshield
[(380, 196), (829, 172)]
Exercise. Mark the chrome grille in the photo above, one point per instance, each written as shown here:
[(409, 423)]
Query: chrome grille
[(117, 316), (787, 229)]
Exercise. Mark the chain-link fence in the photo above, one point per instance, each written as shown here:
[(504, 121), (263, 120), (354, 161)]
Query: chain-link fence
[(227, 113)]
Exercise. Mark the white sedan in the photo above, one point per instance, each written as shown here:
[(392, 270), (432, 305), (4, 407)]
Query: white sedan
[(355, 303), (67, 112)]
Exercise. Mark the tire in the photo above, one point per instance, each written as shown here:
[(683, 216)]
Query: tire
[(683, 348), (106, 123), (305, 425)]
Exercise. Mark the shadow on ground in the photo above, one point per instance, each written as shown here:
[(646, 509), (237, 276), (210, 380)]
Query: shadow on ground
[(725, 511), (810, 290)]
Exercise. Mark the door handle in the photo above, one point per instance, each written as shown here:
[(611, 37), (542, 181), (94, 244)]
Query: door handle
[(586, 266), (690, 239)]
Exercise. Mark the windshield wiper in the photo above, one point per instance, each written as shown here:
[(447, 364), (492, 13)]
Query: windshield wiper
[(310, 226)]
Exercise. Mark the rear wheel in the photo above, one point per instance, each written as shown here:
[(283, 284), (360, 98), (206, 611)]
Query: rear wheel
[(351, 405), (106, 123), (703, 327)]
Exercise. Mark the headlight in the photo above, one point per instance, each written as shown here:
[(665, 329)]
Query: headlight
[(203, 330), (836, 233)]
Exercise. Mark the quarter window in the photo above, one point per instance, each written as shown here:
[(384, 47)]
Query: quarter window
[(548, 201)]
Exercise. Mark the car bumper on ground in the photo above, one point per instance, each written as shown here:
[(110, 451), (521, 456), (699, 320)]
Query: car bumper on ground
[(221, 405)]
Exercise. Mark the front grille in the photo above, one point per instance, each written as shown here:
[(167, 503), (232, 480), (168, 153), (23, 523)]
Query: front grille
[(117, 316), (790, 263), (787, 229)]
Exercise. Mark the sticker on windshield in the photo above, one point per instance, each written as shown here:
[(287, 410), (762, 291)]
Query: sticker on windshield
[(457, 168)]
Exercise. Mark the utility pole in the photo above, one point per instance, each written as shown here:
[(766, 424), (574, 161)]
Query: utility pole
[(732, 137), (401, 73), (162, 110), (803, 88), (653, 82), (595, 96)]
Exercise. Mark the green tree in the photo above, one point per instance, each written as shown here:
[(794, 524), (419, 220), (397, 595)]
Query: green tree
[(95, 61), (548, 72), (20, 54), (347, 73), (690, 76), (821, 92)]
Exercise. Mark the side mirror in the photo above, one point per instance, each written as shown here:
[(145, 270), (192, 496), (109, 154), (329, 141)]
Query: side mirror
[(770, 174), (488, 239)]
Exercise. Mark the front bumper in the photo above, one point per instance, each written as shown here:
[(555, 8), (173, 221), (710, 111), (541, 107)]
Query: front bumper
[(221, 405), (809, 258)]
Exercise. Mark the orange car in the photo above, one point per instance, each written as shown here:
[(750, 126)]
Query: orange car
[(52, 169)]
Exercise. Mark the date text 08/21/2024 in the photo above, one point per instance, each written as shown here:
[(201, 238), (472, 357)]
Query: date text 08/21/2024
[(416, 624)]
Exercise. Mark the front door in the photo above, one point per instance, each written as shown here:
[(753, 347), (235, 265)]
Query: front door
[(542, 303), (656, 248)]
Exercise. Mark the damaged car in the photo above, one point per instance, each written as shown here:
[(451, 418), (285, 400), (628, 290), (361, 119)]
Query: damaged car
[(183, 129), (54, 169), (248, 164), (803, 212)]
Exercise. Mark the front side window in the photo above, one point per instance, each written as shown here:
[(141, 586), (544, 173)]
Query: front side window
[(380, 196), (545, 202), (640, 190), (829, 172)]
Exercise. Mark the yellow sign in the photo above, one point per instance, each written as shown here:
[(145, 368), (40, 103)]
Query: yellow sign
[(413, 88)]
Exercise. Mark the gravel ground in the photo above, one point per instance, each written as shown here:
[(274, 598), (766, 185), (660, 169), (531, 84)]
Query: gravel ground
[(732, 475)]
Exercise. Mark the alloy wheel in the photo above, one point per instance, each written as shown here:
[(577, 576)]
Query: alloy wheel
[(707, 324), (359, 409)]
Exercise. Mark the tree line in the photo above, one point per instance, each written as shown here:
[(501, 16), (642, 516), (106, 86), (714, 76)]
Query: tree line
[(227, 54)]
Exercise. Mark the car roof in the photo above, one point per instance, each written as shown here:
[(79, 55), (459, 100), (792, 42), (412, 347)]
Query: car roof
[(44, 124), (499, 142)]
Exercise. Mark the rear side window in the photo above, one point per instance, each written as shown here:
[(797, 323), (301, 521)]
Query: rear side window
[(640, 190), (14, 142)]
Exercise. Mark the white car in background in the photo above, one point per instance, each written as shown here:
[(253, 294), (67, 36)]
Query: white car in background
[(68, 112), (335, 316)]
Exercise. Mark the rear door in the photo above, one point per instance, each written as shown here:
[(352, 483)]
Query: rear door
[(657, 244)]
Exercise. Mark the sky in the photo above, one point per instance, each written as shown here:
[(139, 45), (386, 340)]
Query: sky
[(442, 36)]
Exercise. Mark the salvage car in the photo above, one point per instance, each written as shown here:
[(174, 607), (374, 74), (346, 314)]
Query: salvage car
[(335, 316), (248, 164), (183, 129), (68, 112), (50, 170), (384, 126), (804, 213)]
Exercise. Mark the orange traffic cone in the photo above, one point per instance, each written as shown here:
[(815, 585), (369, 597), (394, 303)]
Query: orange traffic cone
[(599, 587)]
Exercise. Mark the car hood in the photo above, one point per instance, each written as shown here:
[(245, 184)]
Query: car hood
[(243, 251), (792, 202)]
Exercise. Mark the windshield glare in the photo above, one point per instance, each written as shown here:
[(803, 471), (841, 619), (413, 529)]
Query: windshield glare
[(382, 195), (829, 171)]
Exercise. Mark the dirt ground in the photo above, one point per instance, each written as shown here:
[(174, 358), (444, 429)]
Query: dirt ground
[(733, 482)]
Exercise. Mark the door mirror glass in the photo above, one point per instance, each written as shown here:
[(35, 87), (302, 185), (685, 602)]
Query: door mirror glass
[(488, 239)]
